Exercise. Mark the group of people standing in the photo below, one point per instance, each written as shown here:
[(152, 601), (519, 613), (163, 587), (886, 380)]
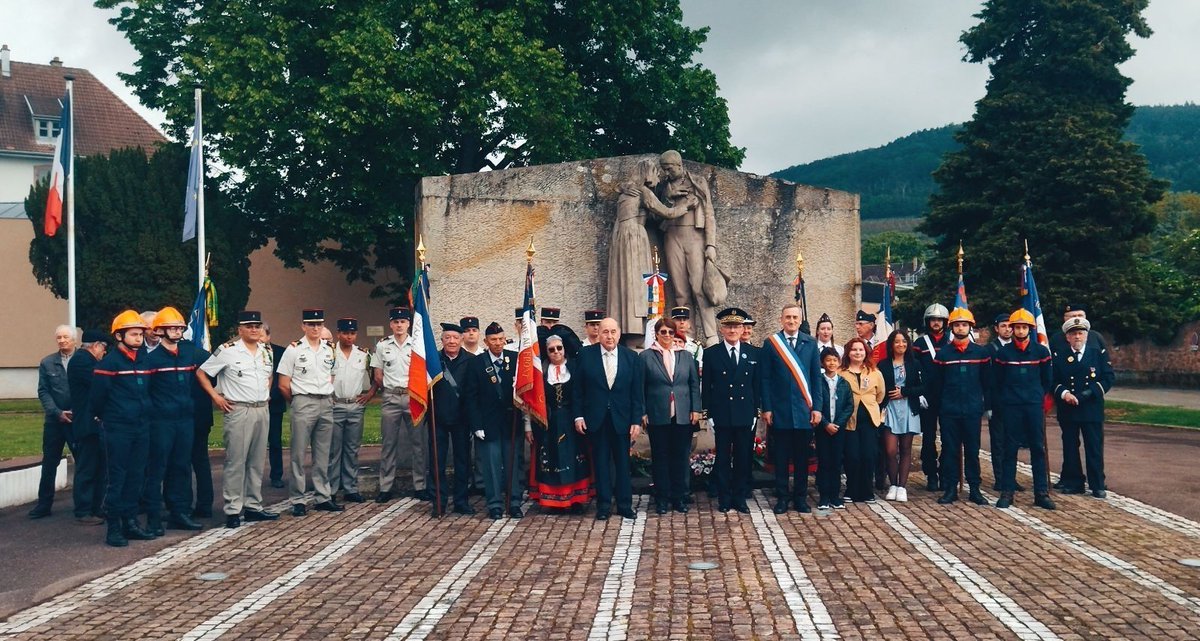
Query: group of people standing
[(137, 417)]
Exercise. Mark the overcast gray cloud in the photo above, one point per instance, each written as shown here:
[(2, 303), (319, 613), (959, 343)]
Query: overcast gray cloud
[(805, 79)]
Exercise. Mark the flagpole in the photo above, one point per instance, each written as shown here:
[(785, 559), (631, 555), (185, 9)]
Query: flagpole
[(71, 317), (201, 267), (961, 449)]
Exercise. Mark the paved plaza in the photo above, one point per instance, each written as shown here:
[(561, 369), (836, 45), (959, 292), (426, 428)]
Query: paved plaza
[(917, 570)]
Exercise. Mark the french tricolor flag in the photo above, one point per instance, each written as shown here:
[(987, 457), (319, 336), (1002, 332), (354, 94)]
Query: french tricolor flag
[(63, 150)]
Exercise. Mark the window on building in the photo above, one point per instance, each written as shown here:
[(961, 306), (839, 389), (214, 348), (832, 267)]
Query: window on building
[(47, 130), (40, 172)]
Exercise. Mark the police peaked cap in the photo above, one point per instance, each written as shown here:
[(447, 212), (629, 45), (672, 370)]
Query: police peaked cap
[(347, 325), (1001, 318), (732, 316), (593, 316), (249, 317), (551, 313), (493, 329), (400, 313), (1075, 307), (1076, 323), (681, 312), (469, 322), (519, 313), (314, 315)]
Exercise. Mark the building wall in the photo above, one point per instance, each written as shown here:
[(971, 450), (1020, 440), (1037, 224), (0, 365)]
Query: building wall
[(16, 176), (1173, 365), (28, 313)]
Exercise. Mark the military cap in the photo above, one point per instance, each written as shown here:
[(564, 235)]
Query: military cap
[(593, 316), (347, 324), (1075, 307), (94, 336), (732, 316), (469, 322), (1076, 323), (1001, 318), (681, 312), (493, 329), (864, 316), (824, 319), (451, 327), (313, 315), (400, 313), (249, 317), (551, 313), (519, 313)]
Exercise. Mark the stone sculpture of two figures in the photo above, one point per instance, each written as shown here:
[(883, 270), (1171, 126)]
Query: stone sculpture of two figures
[(679, 208)]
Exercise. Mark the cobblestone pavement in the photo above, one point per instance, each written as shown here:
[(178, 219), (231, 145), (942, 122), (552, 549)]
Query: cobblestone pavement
[(1092, 569)]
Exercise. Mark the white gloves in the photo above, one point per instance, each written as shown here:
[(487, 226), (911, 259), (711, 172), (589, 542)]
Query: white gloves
[(924, 403), (479, 434)]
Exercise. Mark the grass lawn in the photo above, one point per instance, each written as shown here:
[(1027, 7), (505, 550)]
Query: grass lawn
[(21, 428), (1151, 414)]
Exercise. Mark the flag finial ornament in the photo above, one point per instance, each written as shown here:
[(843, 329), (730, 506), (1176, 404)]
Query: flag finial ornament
[(421, 250), (530, 251), (800, 263), (1027, 261), (960, 257)]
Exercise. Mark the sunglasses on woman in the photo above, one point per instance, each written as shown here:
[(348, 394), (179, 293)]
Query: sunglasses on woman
[(554, 349)]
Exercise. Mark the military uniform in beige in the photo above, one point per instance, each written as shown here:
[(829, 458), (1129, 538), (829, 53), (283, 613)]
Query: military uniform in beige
[(311, 371), (350, 379), (243, 376), (400, 437)]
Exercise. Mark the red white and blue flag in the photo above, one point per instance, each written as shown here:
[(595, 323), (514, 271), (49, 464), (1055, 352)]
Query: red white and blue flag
[(529, 387), (887, 317), (63, 150), (960, 295), (656, 301), (1031, 302), (425, 367)]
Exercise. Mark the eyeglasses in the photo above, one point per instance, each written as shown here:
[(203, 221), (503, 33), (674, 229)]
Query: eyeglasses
[(665, 332), (554, 349)]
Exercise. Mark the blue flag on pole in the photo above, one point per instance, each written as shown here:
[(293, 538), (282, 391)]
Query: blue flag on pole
[(192, 195)]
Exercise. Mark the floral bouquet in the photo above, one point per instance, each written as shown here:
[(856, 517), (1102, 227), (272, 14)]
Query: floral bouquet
[(702, 464), (760, 453)]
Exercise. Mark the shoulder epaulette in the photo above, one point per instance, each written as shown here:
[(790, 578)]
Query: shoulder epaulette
[(295, 343), (361, 349), (230, 344)]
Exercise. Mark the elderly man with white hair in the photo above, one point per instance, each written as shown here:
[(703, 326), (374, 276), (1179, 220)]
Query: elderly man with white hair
[(55, 396)]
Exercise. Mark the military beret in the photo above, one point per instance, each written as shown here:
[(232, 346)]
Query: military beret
[(494, 329), (347, 325), (732, 316), (864, 316), (551, 313), (451, 327), (469, 322), (1076, 323), (1075, 307), (314, 315), (249, 317), (400, 313), (681, 312), (94, 336), (593, 316)]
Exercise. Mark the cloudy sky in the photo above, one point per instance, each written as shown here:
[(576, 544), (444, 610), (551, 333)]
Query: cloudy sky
[(805, 79)]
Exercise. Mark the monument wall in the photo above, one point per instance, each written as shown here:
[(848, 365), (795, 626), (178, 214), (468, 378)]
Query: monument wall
[(476, 228)]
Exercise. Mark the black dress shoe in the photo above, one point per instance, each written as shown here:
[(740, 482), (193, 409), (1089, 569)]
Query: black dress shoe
[(154, 525), (681, 507), (233, 521), (495, 514), (328, 506), (1100, 494), (602, 515), (515, 512), (781, 506), (803, 508), (1006, 500), (464, 509), (948, 498), (1072, 490), (662, 508), (741, 506), (1043, 501), (183, 522), (1058, 485), (278, 483), (39, 512), (114, 536), (259, 515), (353, 497), (627, 513), (299, 509), (976, 497), (722, 507), (384, 497), (134, 532)]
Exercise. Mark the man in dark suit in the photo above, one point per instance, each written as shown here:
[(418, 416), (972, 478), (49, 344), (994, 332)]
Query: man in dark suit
[(791, 405), (451, 427), (611, 381), (90, 479), (1082, 376), (731, 394), (488, 396)]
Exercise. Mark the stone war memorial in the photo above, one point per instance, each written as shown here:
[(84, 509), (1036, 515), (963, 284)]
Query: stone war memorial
[(596, 223)]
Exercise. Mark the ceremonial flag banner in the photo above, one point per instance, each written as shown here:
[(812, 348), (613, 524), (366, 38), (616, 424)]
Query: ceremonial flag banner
[(425, 368), (191, 200), (528, 384), (64, 147), (203, 316), (656, 302), (1031, 302), (960, 295), (887, 317)]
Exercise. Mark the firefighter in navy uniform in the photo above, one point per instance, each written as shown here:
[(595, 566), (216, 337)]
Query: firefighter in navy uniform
[(172, 376), (926, 347), (962, 380), (1082, 376), (120, 398), (1022, 379)]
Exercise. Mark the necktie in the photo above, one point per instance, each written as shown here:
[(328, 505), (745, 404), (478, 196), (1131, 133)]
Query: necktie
[(1078, 357), (733, 354), (792, 342), (610, 368), (499, 365)]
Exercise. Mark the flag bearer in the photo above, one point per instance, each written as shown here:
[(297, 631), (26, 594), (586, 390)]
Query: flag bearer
[(962, 380), (1022, 376)]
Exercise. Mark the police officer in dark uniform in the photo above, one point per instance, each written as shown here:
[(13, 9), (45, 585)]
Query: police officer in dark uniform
[(731, 395), (121, 398), (169, 475), (962, 379), (451, 425), (1082, 376), (1022, 378), (926, 347)]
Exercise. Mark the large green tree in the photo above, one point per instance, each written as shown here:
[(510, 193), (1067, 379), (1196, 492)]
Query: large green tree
[(1042, 159), (128, 225), (332, 111)]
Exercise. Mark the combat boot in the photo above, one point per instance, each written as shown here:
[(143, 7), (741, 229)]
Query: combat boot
[(1006, 500), (134, 532), (115, 536), (1043, 501), (154, 525)]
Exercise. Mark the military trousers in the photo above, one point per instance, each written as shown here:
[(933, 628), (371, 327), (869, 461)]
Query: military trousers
[(401, 441), (344, 446), (312, 428), (245, 437)]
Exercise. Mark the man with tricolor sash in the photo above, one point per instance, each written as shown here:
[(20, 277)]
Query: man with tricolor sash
[(791, 402)]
